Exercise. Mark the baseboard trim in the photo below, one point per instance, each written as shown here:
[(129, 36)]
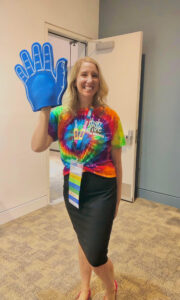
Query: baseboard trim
[(158, 197), (21, 210), (57, 201)]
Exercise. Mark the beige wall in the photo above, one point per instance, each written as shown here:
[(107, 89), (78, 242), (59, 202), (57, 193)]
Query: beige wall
[(24, 174)]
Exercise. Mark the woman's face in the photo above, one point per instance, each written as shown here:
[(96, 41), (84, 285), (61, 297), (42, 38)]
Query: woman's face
[(87, 81)]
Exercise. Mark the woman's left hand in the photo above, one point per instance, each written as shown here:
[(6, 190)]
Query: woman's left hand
[(116, 211), (116, 156)]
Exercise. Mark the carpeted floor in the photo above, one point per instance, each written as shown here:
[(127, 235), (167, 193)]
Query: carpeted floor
[(38, 259)]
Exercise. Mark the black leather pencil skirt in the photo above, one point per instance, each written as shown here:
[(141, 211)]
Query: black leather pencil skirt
[(93, 220)]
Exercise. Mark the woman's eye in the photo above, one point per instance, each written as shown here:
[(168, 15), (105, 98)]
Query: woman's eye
[(95, 75)]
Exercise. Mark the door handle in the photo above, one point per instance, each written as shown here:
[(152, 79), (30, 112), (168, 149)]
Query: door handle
[(129, 137)]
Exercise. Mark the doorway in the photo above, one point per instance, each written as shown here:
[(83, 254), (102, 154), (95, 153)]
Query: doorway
[(71, 49), (120, 60)]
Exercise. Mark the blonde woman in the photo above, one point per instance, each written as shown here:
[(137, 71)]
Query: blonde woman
[(90, 139)]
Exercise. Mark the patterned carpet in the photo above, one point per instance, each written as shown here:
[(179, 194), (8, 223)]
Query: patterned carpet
[(38, 259)]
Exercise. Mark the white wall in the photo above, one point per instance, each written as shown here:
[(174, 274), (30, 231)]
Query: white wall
[(24, 174)]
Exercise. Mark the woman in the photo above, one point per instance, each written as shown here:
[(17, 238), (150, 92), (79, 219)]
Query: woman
[(90, 132)]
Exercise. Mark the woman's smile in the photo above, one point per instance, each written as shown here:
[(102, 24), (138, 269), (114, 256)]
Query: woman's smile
[(87, 83)]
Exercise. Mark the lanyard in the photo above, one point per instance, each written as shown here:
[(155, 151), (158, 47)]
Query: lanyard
[(79, 135)]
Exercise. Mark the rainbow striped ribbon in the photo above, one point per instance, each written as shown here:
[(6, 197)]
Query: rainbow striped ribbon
[(75, 176)]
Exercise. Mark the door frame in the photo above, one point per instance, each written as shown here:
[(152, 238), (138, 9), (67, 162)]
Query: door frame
[(64, 33), (138, 137)]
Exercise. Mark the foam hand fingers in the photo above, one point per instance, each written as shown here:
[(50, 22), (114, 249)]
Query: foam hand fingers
[(27, 62), (21, 73), (37, 56), (48, 57), (61, 72), (61, 77)]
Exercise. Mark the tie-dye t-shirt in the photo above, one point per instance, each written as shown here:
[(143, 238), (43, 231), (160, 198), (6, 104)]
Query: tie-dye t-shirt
[(103, 132)]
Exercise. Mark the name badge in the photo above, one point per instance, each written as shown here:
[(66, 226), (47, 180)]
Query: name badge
[(75, 177)]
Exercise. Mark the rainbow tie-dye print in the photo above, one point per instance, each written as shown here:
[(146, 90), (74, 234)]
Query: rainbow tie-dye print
[(104, 131)]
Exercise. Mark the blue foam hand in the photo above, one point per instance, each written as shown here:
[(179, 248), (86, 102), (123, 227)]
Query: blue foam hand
[(44, 85)]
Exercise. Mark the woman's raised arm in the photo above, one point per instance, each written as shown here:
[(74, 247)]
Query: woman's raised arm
[(40, 139)]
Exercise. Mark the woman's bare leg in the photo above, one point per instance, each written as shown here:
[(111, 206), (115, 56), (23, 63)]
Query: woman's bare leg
[(85, 271), (106, 274)]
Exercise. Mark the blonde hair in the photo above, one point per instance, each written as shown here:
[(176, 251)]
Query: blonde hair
[(71, 96)]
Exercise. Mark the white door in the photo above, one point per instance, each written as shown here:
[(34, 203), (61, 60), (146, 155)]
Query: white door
[(120, 61)]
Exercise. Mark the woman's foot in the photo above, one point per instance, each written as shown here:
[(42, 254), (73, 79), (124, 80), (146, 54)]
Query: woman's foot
[(84, 295), (111, 295)]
